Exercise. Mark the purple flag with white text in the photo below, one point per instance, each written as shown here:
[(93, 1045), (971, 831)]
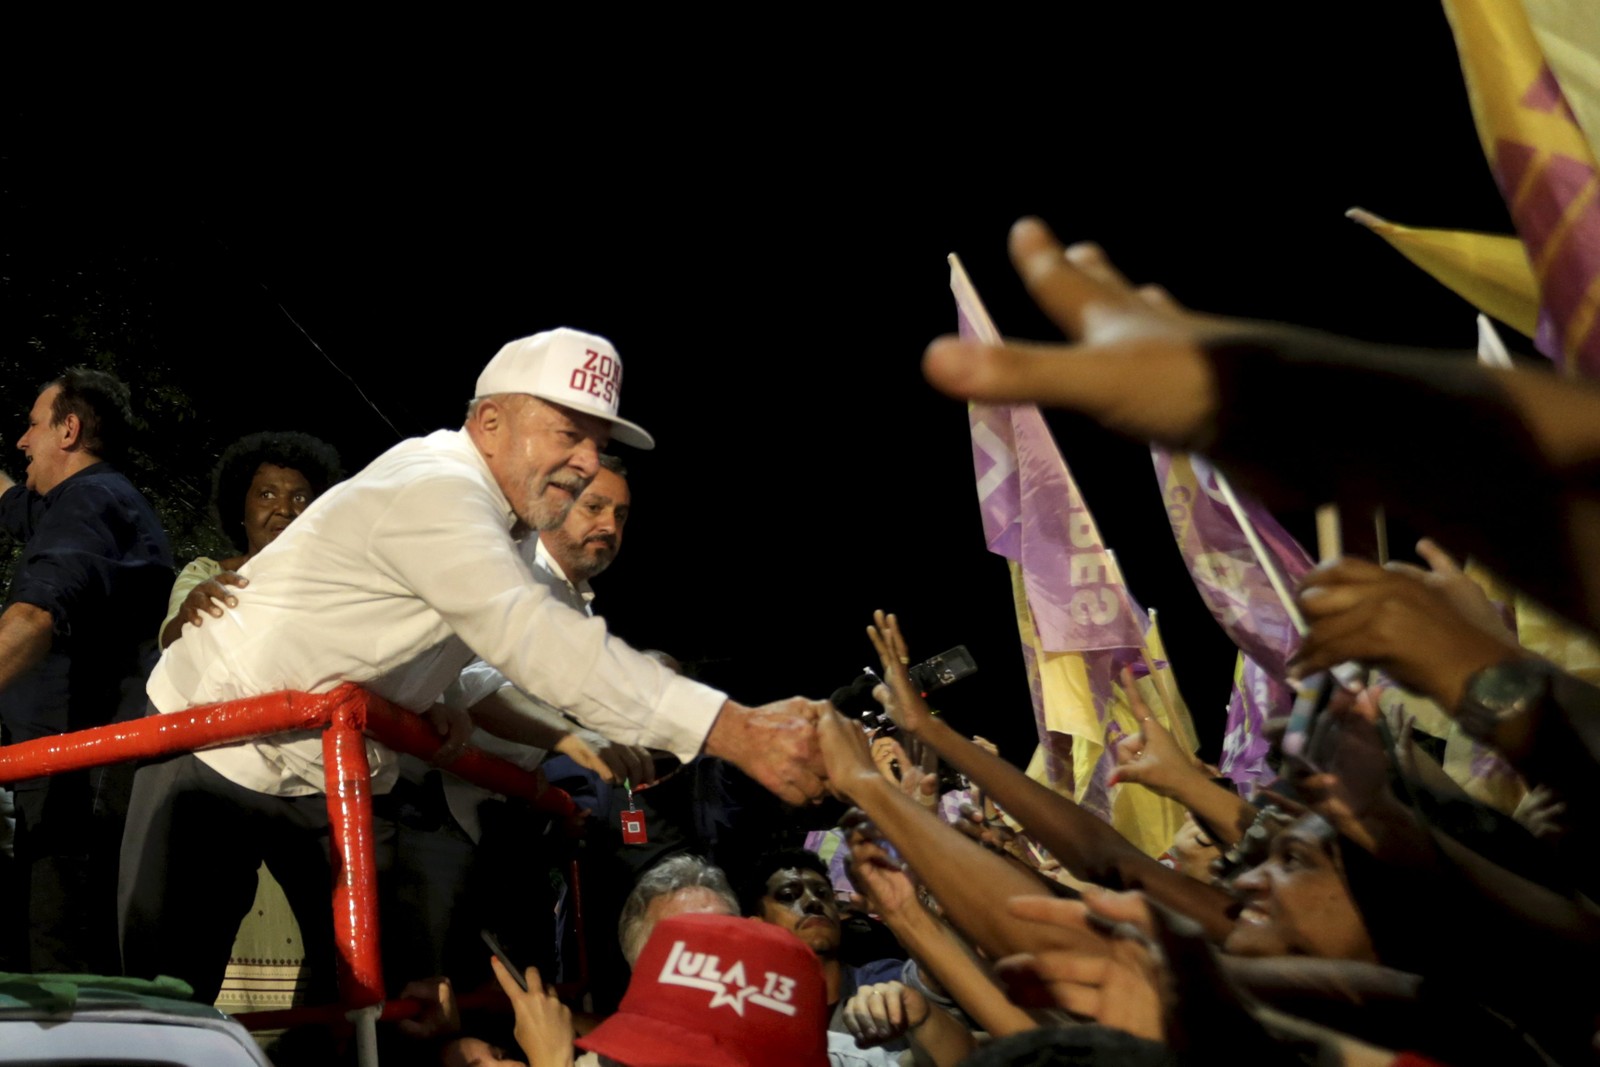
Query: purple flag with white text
[(1079, 625), (1235, 587)]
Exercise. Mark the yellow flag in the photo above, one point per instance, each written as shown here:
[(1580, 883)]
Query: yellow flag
[(1072, 709), (1544, 167), (1489, 271)]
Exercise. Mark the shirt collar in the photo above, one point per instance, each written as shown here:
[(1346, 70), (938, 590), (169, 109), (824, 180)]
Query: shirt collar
[(93, 470), (543, 558)]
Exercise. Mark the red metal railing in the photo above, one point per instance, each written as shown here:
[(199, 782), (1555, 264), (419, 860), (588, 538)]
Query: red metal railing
[(344, 715)]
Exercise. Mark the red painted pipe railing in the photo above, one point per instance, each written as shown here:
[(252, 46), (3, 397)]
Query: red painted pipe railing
[(355, 868), (345, 715), (162, 735)]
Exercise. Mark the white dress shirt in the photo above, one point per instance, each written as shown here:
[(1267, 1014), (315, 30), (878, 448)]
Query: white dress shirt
[(479, 680), (393, 580)]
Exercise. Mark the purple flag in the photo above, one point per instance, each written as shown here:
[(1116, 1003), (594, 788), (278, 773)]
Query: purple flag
[(1256, 697), (1225, 570)]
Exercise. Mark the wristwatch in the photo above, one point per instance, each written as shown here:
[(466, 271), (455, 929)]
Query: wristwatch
[(1501, 692)]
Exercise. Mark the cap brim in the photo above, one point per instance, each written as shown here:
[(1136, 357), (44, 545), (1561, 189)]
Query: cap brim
[(640, 1041), (631, 434)]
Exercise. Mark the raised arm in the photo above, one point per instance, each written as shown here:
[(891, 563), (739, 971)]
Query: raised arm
[(1256, 397), (1085, 845), (930, 942), (966, 877), (1154, 759)]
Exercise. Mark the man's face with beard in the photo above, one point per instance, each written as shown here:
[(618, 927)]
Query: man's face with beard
[(542, 455), (590, 538)]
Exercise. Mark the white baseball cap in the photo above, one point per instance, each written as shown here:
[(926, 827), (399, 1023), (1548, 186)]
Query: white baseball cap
[(577, 370)]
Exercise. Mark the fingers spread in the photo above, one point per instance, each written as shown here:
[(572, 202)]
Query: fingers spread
[(1066, 285)]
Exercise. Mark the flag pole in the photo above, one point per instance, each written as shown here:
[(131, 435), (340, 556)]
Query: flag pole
[(1156, 680), (1268, 564), (1330, 539)]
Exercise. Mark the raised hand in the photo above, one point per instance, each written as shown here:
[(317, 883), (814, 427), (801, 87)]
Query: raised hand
[(905, 770), (846, 756), (1152, 756), (1120, 987), (1403, 624), (1446, 577), (882, 881), (543, 1025), (905, 705), (1124, 338)]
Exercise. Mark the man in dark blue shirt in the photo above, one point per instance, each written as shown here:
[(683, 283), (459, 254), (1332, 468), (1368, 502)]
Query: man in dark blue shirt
[(76, 637)]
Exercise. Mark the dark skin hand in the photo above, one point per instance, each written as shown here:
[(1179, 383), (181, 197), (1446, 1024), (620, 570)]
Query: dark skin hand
[(966, 877), (1394, 620), (1085, 846), (207, 598)]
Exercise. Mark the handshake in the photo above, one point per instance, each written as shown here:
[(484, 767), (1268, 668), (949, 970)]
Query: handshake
[(801, 749)]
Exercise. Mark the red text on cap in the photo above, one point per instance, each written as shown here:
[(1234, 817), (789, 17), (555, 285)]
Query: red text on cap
[(600, 376)]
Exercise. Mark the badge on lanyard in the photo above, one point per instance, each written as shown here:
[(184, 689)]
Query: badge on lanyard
[(633, 829)]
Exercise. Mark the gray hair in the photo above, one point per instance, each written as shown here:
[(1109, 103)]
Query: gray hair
[(671, 875)]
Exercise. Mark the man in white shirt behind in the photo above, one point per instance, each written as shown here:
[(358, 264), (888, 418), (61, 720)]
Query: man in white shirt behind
[(393, 580)]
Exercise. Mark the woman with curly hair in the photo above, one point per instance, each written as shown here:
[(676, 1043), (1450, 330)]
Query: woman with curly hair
[(261, 484)]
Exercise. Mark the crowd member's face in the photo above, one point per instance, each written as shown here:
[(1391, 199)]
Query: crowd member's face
[(476, 1052), (590, 538), (1296, 903), (802, 901), (542, 455), (44, 445), (276, 497)]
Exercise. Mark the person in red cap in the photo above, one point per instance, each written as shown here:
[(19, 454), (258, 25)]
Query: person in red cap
[(708, 991)]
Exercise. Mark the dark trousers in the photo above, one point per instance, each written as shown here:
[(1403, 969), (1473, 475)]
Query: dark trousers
[(190, 850), (63, 874)]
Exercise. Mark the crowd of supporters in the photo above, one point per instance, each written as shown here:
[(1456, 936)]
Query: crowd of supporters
[(1369, 904)]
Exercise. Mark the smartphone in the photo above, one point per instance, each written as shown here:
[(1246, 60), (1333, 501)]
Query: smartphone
[(505, 961), (944, 669)]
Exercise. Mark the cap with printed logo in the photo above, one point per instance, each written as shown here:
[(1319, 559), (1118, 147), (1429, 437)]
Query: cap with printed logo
[(578, 370), (719, 991)]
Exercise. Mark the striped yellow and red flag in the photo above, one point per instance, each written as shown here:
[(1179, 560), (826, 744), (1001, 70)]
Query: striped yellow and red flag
[(1533, 81), (1544, 166)]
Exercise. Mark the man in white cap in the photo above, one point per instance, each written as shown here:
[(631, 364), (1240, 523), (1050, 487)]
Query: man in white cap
[(394, 579)]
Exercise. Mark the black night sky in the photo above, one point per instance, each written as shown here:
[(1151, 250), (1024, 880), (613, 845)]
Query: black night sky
[(758, 216)]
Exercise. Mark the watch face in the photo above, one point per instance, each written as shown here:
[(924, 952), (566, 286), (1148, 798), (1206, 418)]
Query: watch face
[(1507, 687)]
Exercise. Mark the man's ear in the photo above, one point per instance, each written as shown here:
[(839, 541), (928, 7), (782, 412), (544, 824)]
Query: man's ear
[(487, 421), (71, 430)]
